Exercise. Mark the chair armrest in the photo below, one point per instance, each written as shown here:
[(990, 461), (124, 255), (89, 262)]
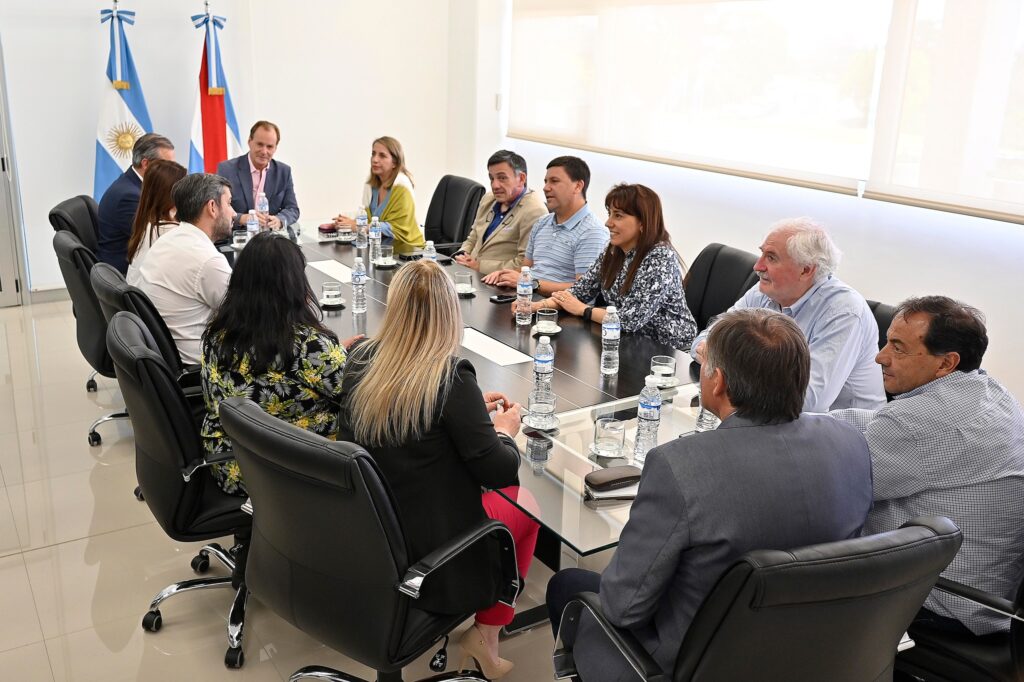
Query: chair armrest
[(190, 377), (625, 641), (412, 582), (447, 249), (1004, 607), (190, 469)]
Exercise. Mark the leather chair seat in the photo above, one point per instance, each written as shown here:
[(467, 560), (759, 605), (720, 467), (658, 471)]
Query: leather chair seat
[(959, 657)]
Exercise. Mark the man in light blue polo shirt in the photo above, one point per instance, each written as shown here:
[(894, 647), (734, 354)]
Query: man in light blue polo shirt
[(797, 278), (566, 242)]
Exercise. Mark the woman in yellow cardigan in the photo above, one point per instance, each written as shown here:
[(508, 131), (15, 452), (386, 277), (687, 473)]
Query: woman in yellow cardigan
[(388, 195)]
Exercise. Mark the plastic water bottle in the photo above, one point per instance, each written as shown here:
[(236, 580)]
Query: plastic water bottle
[(262, 205), (524, 297), (648, 414), (610, 331), (359, 286), (252, 224), (543, 365), (375, 236), (429, 252), (361, 237)]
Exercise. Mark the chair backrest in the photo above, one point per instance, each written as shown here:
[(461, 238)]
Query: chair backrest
[(76, 263), (452, 209), (719, 276), (166, 436), (832, 611), (115, 295), (80, 216), (327, 549), (883, 316)]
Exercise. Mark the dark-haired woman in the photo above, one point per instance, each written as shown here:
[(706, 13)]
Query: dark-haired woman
[(639, 273), (155, 214), (267, 342)]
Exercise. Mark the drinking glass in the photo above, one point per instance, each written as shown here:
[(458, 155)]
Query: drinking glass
[(547, 321), (541, 408), (664, 367), (464, 283), (239, 238), (609, 437), (386, 255), (331, 293), (706, 420)]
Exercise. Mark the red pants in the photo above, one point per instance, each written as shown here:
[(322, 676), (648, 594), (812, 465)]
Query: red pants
[(524, 532)]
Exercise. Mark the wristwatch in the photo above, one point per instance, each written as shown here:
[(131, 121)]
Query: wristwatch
[(535, 283)]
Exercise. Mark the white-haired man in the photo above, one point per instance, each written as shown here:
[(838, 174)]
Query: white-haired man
[(797, 278)]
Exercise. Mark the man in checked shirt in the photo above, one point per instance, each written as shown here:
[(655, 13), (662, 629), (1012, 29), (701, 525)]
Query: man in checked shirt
[(951, 442)]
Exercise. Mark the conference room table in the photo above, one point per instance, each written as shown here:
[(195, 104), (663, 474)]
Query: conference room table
[(551, 486)]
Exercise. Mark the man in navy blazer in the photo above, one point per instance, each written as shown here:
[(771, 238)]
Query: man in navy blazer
[(121, 200), (768, 477), (251, 173)]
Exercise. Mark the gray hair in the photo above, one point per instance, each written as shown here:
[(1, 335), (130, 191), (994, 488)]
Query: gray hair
[(148, 147), (193, 192), (809, 245), (516, 162)]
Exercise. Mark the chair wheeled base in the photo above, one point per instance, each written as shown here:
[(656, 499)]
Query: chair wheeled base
[(319, 672), (94, 436), (234, 657)]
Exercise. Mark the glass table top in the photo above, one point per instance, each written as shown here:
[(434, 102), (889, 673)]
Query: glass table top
[(554, 465)]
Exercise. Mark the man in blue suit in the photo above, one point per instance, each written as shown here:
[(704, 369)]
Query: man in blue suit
[(257, 172), (121, 200)]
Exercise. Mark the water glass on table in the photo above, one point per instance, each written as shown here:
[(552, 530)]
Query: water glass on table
[(547, 321), (387, 256), (239, 238), (464, 283), (541, 410), (664, 367), (331, 293), (609, 437)]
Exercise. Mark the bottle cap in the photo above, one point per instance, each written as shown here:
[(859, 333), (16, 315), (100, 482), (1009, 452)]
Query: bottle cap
[(611, 309), (525, 268), (252, 212), (652, 380), (359, 260), (545, 339), (430, 243)]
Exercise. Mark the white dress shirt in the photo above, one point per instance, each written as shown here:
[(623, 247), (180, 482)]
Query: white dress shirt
[(186, 277)]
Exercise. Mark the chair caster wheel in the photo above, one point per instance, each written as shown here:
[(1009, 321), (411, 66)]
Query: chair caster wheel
[(94, 439), (152, 621), (234, 658), (138, 493), (201, 563), (90, 386)]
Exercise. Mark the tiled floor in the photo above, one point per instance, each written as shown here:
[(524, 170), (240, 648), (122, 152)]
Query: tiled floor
[(80, 558)]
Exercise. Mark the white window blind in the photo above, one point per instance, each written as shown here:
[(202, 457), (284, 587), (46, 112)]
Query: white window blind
[(920, 101)]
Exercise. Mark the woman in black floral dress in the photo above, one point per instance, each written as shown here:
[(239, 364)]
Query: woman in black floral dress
[(267, 343), (639, 273)]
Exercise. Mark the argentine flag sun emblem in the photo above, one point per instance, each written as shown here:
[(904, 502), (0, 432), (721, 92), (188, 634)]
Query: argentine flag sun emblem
[(124, 117)]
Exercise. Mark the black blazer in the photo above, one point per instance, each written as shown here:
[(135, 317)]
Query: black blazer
[(116, 215), (436, 482)]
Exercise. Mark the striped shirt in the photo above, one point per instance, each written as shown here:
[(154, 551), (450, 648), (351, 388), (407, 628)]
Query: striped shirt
[(561, 251), (954, 447)]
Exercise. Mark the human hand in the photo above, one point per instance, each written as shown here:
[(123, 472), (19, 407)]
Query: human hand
[(351, 341), (468, 261), (507, 420), (274, 223), (491, 399), (494, 278), (699, 352), (344, 221), (569, 303)]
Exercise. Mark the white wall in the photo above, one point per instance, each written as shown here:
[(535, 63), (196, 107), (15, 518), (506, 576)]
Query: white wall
[(55, 53)]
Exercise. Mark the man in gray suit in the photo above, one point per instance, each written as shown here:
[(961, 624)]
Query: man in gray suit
[(768, 478)]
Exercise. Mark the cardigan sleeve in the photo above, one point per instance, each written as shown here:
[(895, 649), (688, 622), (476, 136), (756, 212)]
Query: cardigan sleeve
[(401, 214)]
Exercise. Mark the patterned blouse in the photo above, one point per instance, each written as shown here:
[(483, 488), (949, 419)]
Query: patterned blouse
[(305, 394), (655, 305)]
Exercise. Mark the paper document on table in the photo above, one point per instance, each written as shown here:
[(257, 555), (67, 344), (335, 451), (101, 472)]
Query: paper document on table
[(493, 350), (334, 270)]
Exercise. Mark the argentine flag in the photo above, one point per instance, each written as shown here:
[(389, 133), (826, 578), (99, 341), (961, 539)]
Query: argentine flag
[(124, 117), (215, 136)]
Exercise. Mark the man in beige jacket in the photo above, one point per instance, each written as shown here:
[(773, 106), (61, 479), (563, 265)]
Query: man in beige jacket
[(506, 215)]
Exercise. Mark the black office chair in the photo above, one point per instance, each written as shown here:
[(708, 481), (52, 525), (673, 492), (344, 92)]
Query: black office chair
[(80, 216), (172, 471), (941, 656), (76, 263), (833, 611), (115, 295), (328, 553), (883, 316), (719, 276), (452, 211)]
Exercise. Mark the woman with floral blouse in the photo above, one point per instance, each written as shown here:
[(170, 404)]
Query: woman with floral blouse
[(639, 273), (267, 342)]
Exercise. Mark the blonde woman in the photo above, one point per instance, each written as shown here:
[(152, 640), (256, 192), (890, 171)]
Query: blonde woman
[(418, 410), (388, 196)]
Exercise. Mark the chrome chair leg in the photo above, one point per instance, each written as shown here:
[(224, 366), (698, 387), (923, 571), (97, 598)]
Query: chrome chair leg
[(319, 672), (188, 586), (235, 656), (94, 436)]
